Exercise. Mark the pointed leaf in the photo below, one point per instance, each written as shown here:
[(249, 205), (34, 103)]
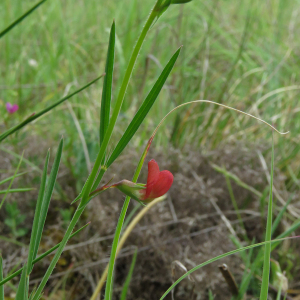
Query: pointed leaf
[(11, 177), (46, 201), (42, 112), (107, 84), (22, 292), (128, 278), (11, 26), (34, 243), (180, 1), (144, 109)]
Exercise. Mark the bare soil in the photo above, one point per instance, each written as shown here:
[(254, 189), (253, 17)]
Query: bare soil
[(186, 227)]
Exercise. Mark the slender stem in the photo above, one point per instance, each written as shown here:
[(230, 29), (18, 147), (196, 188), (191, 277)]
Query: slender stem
[(109, 282), (123, 89), (61, 247), (266, 269), (123, 240)]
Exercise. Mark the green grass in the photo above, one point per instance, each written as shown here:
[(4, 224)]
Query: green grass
[(243, 55), (67, 51)]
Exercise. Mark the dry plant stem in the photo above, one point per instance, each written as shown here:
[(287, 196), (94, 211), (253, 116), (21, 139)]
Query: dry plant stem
[(229, 279), (124, 237), (219, 104)]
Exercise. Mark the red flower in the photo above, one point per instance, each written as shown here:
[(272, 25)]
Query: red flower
[(158, 183)]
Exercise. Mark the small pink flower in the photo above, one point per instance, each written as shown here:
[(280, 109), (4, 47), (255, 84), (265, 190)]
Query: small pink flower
[(11, 108)]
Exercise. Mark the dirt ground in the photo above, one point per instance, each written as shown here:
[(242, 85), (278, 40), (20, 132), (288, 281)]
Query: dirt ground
[(192, 225)]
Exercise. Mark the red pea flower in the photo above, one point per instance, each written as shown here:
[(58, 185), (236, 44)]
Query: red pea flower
[(11, 108), (158, 183)]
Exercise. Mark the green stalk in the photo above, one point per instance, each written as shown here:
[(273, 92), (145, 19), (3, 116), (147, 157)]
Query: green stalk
[(266, 270), (60, 249), (121, 94)]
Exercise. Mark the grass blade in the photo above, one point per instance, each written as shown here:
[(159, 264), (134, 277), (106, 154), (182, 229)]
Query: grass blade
[(107, 84), (42, 112), (279, 216), (15, 23), (128, 278), (34, 242), (8, 190), (1, 278), (267, 253), (22, 292), (218, 258), (11, 177), (144, 109), (44, 204), (19, 190), (8, 278)]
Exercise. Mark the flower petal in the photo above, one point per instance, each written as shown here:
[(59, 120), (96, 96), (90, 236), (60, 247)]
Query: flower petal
[(162, 184), (153, 174)]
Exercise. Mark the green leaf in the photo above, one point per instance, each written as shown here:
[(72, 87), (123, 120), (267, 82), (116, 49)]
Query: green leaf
[(107, 84), (1, 278), (42, 112), (144, 109), (8, 190), (8, 278), (34, 241), (267, 253), (44, 205), (12, 25), (22, 292), (19, 190), (280, 215), (11, 177), (128, 278), (180, 1)]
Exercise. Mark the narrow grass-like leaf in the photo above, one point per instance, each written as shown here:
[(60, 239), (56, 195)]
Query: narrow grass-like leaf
[(42, 112), (128, 278), (19, 190), (107, 84), (267, 251), (34, 242), (44, 205), (15, 23), (117, 109), (1, 278), (22, 292), (8, 278), (218, 258), (144, 109), (279, 216), (8, 190), (11, 177)]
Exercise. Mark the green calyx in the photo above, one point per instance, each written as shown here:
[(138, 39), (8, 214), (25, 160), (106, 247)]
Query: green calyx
[(162, 5)]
